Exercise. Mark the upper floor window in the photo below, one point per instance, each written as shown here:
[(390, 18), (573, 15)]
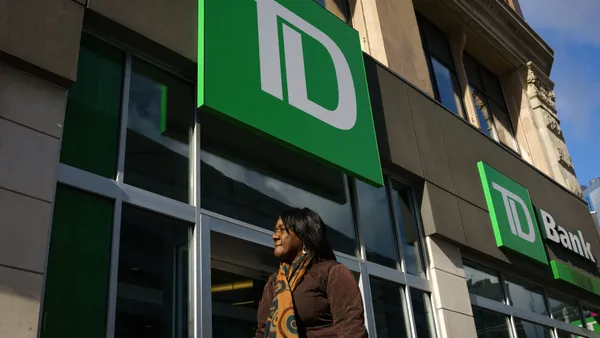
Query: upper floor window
[(488, 99), (441, 66), (340, 8)]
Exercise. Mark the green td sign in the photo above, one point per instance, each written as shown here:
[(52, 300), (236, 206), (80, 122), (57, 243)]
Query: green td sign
[(512, 214), (291, 70)]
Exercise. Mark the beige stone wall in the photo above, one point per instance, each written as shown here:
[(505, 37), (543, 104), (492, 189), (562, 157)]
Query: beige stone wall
[(390, 34), (450, 293), (31, 114), (40, 37)]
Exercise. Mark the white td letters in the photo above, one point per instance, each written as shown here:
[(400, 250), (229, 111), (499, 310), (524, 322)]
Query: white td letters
[(344, 116), (568, 240), (512, 213)]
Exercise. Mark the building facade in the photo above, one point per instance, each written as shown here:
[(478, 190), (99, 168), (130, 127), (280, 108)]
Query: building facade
[(132, 208), (592, 197)]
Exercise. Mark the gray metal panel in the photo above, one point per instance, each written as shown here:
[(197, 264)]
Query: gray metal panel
[(440, 214), (43, 33), (404, 150), (430, 139)]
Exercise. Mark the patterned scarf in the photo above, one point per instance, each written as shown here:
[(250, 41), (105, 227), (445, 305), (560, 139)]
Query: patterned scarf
[(282, 318)]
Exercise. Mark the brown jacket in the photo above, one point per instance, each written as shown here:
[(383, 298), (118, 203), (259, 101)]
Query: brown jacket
[(327, 301)]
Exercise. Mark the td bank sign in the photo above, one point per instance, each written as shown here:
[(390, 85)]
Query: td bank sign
[(293, 72), (516, 225)]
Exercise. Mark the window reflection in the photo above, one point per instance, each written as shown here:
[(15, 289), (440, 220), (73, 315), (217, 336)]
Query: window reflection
[(503, 126), (491, 324), (159, 126), (591, 316), (447, 87), (483, 113), (239, 272), (152, 292), (422, 312), (529, 330), (564, 334), (483, 282), (565, 309), (377, 230), (526, 296), (389, 309), (410, 236), (233, 190)]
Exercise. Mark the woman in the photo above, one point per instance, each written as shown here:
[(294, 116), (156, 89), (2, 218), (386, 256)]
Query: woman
[(312, 295)]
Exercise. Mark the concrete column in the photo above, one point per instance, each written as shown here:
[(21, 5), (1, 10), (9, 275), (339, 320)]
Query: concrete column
[(31, 115), (450, 294), (393, 38), (521, 114), (42, 38)]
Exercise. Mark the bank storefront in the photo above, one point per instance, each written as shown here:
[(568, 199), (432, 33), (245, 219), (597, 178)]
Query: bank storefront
[(164, 213), (170, 184), (557, 296)]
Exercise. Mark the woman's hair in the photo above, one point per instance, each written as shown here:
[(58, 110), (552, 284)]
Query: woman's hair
[(309, 227)]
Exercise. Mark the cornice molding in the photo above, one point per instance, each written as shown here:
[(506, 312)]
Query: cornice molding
[(510, 30)]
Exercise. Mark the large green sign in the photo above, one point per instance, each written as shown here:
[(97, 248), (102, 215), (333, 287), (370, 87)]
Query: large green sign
[(291, 70), (512, 215)]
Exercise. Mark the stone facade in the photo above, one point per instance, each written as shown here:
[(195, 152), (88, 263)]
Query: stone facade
[(540, 90)]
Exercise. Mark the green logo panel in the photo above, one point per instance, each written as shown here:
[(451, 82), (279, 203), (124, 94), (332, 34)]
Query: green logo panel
[(512, 215), (293, 71)]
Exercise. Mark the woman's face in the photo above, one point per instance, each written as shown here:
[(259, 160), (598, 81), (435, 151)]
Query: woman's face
[(287, 244)]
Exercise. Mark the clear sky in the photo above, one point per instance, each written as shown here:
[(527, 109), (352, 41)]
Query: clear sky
[(572, 29)]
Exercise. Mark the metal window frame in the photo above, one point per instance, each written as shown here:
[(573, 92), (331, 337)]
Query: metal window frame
[(512, 312), (200, 220)]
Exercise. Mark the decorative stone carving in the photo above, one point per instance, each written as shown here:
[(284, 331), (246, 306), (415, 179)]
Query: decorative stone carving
[(565, 160), (554, 127), (542, 86)]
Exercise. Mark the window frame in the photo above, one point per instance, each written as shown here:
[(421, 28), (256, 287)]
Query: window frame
[(451, 68), (202, 222), (529, 316), (487, 98)]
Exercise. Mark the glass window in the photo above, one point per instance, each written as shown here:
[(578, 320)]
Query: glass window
[(492, 87), (339, 8), (152, 292), (441, 66), (503, 125), (591, 316), (78, 265), (491, 324), (234, 190), (483, 113), (529, 330), (565, 309), (377, 230), (423, 316), (410, 235), (564, 334), (483, 282), (526, 296), (447, 87), (489, 103), (161, 110), (92, 118), (239, 272), (389, 308)]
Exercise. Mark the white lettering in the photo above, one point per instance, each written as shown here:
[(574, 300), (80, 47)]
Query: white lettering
[(344, 116), (512, 213), (549, 226), (587, 250), (575, 243), (564, 238)]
